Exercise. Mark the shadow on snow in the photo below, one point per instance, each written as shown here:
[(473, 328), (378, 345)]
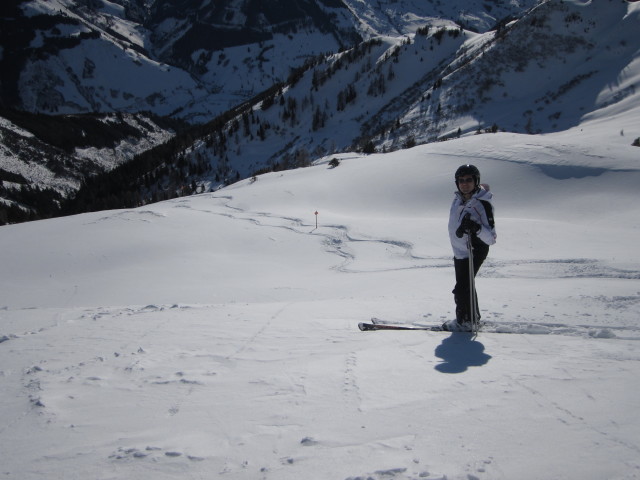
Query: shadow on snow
[(459, 352)]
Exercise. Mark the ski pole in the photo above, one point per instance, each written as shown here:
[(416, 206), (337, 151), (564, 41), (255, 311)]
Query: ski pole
[(472, 287)]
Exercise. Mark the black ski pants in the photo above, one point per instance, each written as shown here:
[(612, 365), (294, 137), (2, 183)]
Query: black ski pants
[(461, 289)]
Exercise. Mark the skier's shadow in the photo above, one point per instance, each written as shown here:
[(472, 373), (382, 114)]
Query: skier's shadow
[(459, 352)]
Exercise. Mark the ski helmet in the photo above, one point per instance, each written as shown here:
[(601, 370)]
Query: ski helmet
[(465, 170)]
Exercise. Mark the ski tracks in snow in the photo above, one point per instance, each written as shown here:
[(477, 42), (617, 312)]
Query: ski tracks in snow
[(351, 389), (357, 253), (360, 253), (126, 374), (563, 410)]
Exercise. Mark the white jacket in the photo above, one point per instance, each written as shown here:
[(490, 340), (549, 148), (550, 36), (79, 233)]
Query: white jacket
[(481, 213)]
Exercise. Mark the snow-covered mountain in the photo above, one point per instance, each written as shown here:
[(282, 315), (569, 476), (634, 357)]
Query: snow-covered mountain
[(44, 159), (426, 71), (559, 65), (189, 58)]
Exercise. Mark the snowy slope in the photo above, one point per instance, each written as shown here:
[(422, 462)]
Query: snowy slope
[(562, 66), (547, 72), (399, 17), (216, 335), (100, 74), (198, 59)]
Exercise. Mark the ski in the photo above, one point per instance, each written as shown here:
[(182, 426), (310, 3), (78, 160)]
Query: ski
[(521, 327), (374, 325), (377, 324)]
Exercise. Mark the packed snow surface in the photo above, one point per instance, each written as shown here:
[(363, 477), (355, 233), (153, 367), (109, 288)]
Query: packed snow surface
[(216, 336)]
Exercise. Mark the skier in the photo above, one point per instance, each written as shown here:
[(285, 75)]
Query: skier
[(471, 214)]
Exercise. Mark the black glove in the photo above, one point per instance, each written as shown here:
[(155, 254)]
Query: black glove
[(467, 226)]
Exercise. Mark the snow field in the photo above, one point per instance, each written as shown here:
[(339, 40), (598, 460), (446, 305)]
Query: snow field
[(216, 335)]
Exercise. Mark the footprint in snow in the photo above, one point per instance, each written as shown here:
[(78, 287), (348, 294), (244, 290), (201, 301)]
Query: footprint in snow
[(150, 452)]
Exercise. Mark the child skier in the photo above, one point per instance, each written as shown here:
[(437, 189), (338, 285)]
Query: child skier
[(471, 214)]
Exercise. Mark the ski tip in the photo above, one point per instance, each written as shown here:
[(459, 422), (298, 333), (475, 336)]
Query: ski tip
[(366, 327)]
